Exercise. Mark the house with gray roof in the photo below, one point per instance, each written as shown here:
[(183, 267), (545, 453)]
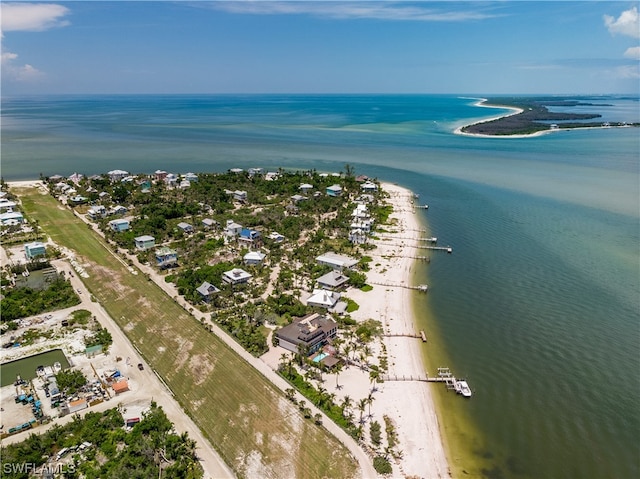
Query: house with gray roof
[(308, 333)]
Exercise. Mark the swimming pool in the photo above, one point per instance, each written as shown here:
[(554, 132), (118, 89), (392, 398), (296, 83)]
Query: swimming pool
[(320, 357)]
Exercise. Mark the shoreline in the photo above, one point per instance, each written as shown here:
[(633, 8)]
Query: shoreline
[(410, 404)]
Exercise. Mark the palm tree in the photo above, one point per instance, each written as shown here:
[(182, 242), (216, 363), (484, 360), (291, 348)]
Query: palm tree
[(317, 418), (347, 402), (374, 374), (361, 405), (370, 399), (337, 369)]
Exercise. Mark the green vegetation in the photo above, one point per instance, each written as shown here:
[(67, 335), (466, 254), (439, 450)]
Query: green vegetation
[(368, 329), (70, 381), (534, 114), (231, 402), (382, 465), (102, 336), (150, 449), (23, 302), (80, 316)]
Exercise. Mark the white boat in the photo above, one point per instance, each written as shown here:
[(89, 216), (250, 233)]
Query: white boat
[(462, 387)]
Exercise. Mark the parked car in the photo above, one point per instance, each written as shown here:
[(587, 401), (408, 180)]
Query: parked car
[(140, 366)]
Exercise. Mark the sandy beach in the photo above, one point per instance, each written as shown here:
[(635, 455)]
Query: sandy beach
[(408, 403)]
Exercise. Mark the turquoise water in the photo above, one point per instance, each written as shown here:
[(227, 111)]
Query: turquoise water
[(320, 357), (538, 305)]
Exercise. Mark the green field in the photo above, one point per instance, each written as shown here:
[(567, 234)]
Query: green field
[(246, 418)]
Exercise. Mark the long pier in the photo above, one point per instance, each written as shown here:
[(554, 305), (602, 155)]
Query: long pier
[(421, 336), (444, 376), (423, 288), (448, 249), (432, 239)]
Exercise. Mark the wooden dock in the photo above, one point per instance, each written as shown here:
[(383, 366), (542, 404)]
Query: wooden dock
[(423, 288), (448, 249), (421, 336), (444, 376)]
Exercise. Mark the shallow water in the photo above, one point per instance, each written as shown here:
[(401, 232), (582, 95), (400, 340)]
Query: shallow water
[(538, 304)]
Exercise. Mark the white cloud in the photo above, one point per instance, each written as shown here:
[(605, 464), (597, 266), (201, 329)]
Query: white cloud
[(633, 53), (628, 23), (32, 17), (628, 72), (19, 73), (346, 10)]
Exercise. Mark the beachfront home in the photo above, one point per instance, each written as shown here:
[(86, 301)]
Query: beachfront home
[(160, 175), (334, 190), (144, 242), (254, 258), (34, 249), (271, 176), (336, 261), (323, 298), (254, 171), (236, 170), (236, 276), (307, 334), (117, 175), (369, 187), (76, 177), (206, 291), (357, 236), (333, 280), (185, 227), (166, 257), (360, 212), (190, 177)]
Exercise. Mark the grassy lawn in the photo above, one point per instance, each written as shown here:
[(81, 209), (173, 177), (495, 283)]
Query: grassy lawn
[(249, 421)]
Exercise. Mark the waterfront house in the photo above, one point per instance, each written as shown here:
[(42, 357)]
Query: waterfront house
[(190, 177), (254, 258), (369, 187), (184, 184), (307, 334), (323, 298), (236, 276), (160, 175), (185, 227), (254, 171), (271, 176), (117, 175), (360, 212), (166, 257), (206, 291), (333, 280), (236, 170), (34, 249), (357, 235), (76, 177), (171, 180), (334, 190), (144, 242), (336, 261)]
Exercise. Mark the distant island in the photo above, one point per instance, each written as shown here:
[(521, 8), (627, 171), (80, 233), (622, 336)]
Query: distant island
[(532, 116)]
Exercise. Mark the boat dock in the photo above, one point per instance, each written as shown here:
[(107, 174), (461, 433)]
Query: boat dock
[(423, 288), (452, 383), (421, 336), (448, 249)]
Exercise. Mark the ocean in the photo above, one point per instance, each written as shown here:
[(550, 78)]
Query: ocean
[(538, 306)]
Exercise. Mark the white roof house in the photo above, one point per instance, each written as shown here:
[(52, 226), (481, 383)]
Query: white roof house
[(336, 261), (11, 218), (305, 187), (323, 298), (334, 190), (232, 228), (236, 276), (254, 257), (332, 280), (117, 175), (369, 186)]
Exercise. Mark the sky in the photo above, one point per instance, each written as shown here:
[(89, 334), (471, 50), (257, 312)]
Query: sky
[(450, 47)]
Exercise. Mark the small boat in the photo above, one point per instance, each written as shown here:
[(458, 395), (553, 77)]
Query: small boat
[(462, 387)]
